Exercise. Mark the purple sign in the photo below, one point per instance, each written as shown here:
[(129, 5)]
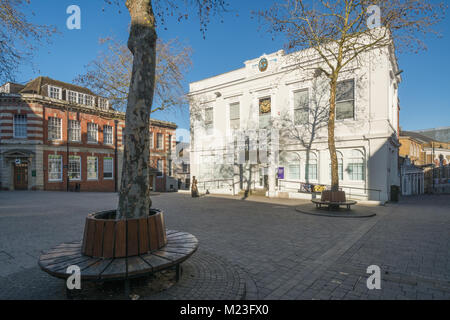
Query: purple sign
[(281, 173)]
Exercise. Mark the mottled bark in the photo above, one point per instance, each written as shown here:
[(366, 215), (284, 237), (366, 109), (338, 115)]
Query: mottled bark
[(134, 199), (331, 141)]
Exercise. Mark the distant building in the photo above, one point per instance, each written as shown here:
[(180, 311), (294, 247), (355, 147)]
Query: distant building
[(431, 155), (58, 136), (182, 167), (412, 178)]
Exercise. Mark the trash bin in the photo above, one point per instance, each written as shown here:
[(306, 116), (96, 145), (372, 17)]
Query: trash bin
[(395, 192)]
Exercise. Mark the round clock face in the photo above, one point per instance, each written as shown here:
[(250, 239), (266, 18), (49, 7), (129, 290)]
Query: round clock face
[(263, 64)]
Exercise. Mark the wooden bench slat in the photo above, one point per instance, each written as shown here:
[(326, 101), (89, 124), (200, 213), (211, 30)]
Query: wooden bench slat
[(172, 256), (136, 265), (95, 270), (156, 262), (117, 268), (63, 265)]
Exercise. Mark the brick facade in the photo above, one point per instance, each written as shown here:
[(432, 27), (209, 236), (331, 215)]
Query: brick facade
[(24, 158)]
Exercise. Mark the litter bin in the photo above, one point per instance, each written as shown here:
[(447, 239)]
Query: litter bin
[(395, 191)]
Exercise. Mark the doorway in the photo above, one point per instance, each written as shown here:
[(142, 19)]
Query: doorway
[(21, 176)]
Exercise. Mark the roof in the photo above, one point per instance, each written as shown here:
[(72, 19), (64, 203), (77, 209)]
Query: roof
[(439, 134), (164, 123), (416, 136), (34, 86)]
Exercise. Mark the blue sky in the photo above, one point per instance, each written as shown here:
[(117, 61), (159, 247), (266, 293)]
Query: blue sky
[(424, 93)]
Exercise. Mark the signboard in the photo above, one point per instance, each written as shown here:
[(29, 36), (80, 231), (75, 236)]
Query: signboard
[(18, 162), (281, 173)]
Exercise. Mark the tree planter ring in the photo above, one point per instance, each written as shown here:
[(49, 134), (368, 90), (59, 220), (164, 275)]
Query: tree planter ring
[(105, 237)]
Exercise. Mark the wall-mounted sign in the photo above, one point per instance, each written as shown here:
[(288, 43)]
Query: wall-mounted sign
[(18, 162), (281, 173)]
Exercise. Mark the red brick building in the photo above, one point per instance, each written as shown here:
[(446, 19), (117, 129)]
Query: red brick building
[(58, 136)]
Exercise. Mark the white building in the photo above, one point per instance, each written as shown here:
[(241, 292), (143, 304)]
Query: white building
[(271, 92), (412, 178)]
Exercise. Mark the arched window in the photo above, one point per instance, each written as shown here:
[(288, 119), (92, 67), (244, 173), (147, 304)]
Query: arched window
[(311, 167), (356, 166), (291, 162), (340, 159)]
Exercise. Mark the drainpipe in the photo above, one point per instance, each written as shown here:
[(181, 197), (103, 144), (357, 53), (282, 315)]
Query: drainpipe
[(115, 154)]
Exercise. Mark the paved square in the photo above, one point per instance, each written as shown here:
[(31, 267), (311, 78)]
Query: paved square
[(288, 255)]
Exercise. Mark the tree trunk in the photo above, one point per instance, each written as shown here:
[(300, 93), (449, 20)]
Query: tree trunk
[(134, 198), (331, 141)]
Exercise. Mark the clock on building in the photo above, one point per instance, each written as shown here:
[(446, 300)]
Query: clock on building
[(263, 64)]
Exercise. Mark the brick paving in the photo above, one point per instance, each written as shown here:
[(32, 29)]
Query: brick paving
[(286, 254)]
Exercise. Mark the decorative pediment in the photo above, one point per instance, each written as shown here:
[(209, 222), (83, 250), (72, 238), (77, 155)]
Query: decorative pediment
[(18, 153)]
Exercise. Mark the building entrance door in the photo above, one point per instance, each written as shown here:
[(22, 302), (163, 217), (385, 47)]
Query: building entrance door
[(21, 176)]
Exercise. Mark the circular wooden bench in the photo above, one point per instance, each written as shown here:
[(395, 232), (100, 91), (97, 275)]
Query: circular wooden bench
[(180, 246), (333, 199), (330, 204)]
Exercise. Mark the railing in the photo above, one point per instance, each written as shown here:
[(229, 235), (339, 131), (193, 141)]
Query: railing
[(216, 184), (311, 188), (226, 183)]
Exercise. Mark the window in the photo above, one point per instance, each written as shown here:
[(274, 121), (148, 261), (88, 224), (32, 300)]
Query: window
[(169, 165), (89, 100), (311, 167), (235, 116), (20, 126), (345, 100), (81, 98), (159, 168), (54, 128), (107, 168), (291, 163), (340, 166), (265, 109), (72, 96), (169, 144), (107, 135), (92, 168), (74, 130), (54, 167), (159, 141), (356, 168), (152, 145), (92, 132), (301, 107), (54, 92), (293, 171), (185, 167), (103, 103), (209, 120), (74, 168)]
